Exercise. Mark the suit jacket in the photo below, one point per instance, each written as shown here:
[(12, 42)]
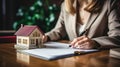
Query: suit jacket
[(104, 27)]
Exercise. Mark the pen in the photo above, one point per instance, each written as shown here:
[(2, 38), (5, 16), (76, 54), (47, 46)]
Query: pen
[(79, 52), (83, 33)]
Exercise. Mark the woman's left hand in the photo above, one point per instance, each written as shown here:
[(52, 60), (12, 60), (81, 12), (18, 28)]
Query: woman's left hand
[(83, 42)]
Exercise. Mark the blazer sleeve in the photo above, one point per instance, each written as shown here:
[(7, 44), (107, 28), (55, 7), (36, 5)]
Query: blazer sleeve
[(59, 31), (113, 38)]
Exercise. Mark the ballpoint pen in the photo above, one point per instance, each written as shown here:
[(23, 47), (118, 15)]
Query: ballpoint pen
[(84, 32)]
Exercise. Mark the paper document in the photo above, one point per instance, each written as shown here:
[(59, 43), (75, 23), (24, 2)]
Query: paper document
[(56, 45), (54, 50)]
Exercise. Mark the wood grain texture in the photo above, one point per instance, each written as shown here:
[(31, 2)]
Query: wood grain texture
[(10, 58)]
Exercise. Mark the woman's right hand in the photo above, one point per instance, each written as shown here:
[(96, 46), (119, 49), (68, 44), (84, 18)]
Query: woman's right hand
[(45, 38)]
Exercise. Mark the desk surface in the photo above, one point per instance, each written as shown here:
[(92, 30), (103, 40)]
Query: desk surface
[(10, 58)]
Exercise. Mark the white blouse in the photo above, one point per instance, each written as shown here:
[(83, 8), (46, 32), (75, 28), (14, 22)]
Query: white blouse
[(80, 28)]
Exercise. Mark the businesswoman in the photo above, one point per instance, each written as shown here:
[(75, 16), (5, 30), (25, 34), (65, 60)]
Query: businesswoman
[(88, 24)]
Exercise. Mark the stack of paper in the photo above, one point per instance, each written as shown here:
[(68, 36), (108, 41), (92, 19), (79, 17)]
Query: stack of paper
[(115, 53), (54, 50)]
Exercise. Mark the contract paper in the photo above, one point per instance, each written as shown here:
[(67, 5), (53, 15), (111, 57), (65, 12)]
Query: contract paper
[(54, 50)]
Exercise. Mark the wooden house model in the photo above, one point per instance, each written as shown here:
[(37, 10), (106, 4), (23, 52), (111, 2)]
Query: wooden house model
[(29, 37)]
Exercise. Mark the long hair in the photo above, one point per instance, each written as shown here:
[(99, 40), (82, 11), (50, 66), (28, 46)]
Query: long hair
[(94, 7), (69, 6)]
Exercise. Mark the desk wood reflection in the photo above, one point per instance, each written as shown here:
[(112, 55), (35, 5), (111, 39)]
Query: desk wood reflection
[(10, 58)]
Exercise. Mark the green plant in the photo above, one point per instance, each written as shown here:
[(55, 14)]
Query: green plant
[(41, 13)]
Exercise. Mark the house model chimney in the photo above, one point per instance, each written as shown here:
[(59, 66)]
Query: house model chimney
[(22, 25)]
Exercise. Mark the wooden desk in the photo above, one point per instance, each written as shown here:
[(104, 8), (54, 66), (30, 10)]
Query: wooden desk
[(10, 58)]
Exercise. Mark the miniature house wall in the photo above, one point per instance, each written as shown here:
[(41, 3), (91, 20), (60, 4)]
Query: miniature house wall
[(29, 37)]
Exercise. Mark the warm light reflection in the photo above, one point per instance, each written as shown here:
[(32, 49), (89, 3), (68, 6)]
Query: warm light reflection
[(100, 61), (68, 62), (23, 58)]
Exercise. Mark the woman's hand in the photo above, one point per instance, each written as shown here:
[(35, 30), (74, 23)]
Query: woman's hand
[(45, 38), (83, 42)]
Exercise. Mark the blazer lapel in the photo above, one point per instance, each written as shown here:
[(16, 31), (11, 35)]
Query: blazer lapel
[(73, 24), (91, 20), (73, 20)]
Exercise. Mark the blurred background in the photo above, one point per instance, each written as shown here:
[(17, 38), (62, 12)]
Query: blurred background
[(43, 13), (13, 13)]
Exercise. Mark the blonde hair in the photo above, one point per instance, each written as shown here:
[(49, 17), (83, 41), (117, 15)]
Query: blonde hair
[(69, 6), (95, 6)]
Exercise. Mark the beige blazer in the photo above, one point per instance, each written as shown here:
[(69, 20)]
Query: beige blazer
[(104, 27)]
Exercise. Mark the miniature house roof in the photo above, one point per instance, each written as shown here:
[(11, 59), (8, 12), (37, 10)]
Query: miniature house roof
[(27, 30)]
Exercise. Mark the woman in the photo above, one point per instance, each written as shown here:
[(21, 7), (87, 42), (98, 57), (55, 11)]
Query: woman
[(88, 24)]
